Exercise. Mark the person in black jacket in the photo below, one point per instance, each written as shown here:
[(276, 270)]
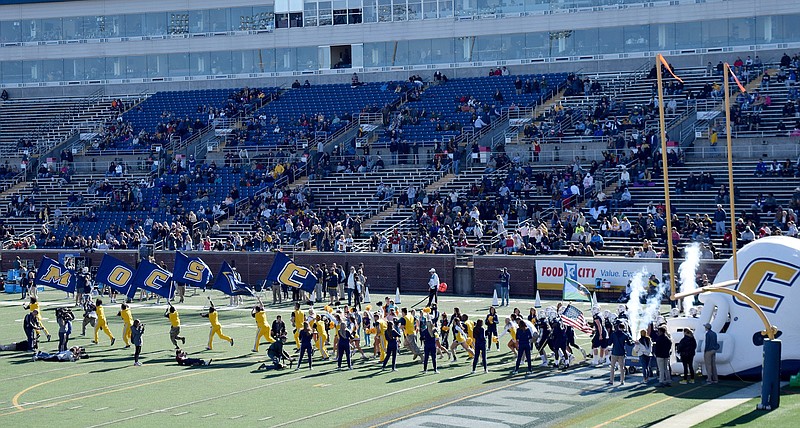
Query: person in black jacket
[(32, 327), (428, 336), (278, 327), (662, 347), (479, 346), (344, 336), (686, 350), (524, 337), (392, 334), (306, 337)]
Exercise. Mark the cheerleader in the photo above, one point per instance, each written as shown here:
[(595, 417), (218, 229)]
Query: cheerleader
[(469, 328), (491, 328), (532, 315), (459, 339), (355, 340), (366, 325), (444, 328), (511, 328)]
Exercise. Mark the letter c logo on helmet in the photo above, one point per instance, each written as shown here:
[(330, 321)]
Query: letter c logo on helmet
[(766, 281)]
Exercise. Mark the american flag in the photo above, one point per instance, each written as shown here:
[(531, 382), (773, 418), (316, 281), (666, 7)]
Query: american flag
[(573, 317)]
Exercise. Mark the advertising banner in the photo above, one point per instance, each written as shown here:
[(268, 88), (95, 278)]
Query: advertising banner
[(550, 273)]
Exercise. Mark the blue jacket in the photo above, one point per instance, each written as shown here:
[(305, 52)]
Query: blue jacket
[(711, 343), (524, 338), (618, 340), (136, 335)]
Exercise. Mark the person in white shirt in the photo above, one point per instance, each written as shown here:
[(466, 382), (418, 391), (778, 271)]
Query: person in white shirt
[(624, 177), (433, 287)]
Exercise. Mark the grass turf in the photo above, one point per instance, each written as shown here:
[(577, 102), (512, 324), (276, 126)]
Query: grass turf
[(106, 389), (746, 414)]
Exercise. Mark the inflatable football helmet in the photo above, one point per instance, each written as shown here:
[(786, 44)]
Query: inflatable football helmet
[(769, 273)]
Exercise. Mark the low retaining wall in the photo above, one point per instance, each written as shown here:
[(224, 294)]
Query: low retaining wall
[(385, 272)]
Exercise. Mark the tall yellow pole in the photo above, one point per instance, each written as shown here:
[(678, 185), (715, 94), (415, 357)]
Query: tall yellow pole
[(664, 166), (730, 167)]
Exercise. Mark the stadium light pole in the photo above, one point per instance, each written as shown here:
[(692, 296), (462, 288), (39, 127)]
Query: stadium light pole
[(729, 139), (664, 167)]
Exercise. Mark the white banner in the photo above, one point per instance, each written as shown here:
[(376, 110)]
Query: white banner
[(550, 272)]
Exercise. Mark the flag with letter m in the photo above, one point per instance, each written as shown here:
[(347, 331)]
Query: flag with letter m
[(286, 272), (53, 274), (230, 282)]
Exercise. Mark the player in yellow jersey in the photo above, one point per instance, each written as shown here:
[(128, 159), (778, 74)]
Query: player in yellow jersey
[(468, 327), (175, 326), (262, 328), (127, 321), (297, 319), (380, 335), (409, 323), (322, 336), (102, 323), (216, 328), (34, 306)]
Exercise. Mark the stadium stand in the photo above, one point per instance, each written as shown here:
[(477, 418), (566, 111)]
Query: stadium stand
[(166, 118)]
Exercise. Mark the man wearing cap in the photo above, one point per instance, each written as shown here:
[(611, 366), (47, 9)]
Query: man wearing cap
[(710, 347), (433, 287), (719, 220), (505, 282)]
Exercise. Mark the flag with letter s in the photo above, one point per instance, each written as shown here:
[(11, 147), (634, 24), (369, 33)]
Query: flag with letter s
[(191, 270)]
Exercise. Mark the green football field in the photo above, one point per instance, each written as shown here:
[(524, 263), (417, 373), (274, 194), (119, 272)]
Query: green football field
[(106, 389)]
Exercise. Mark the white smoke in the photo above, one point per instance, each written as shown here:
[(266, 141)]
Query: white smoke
[(653, 304), (688, 273), (638, 289)]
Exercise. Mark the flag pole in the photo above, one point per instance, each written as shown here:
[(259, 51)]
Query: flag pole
[(664, 166), (730, 168)]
